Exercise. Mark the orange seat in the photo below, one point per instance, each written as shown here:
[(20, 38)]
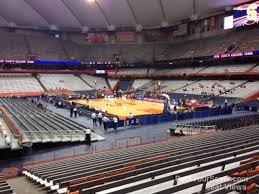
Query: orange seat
[(239, 174), (85, 180), (249, 160), (251, 187), (253, 172), (74, 192)]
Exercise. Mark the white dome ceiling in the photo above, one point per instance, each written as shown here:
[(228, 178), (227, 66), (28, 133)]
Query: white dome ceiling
[(76, 14)]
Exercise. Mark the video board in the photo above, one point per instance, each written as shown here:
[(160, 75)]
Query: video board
[(246, 14)]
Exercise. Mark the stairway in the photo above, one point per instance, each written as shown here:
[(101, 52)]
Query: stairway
[(108, 83), (84, 81), (252, 67), (131, 84), (41, 84), (201, 70)]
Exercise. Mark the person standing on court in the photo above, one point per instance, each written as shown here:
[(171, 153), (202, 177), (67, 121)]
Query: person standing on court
[(100, 116), (88, 136), (115, 122), (130, 117), (93, 115), (105, 121)]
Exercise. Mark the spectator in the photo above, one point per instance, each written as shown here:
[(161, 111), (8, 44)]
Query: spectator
[(93, 115), (71, 110), (100, 116), (88, 136), (75, 111), (226, 103), (115, 122), (105, 121)]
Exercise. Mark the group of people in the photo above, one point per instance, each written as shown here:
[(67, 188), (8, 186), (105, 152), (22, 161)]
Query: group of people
[(103, 119), (74, 110)]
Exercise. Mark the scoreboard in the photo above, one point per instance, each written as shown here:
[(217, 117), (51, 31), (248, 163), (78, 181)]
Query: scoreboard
[(246, 14)]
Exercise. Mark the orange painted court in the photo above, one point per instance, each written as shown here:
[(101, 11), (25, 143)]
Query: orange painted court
[(122, 108)]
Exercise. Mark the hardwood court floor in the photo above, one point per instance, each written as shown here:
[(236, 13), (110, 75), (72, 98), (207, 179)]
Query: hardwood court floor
[(122, 108)]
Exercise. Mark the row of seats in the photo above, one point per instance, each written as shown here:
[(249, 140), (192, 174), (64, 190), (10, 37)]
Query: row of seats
[(178, 70), (4, 186), (94, 81), (229, 123), (228, 68), (39, 125), (19, 83), (132, 71), (28, 84), (244, 90), (165, 167), (67, 81), (210, 87), (202, 69)]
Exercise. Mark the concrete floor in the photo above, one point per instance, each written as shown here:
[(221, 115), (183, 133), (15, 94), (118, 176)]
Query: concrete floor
[(21, 185)]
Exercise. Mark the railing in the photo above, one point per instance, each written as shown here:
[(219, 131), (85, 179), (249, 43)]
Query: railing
[(12, 127), (21, 94), (193, 129), (52, 136)]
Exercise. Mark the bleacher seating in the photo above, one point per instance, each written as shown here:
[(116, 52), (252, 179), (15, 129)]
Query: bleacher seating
[(244, 90), (229, 123), (17, 84), (19, 46), (12, 46), (63, 81), (38, 125), (140, 83), (228, 68), (132, 71), (176, 70), (210, 87), (153, 168), (46, 47), (95, 82), (4, 186), (172, 85)]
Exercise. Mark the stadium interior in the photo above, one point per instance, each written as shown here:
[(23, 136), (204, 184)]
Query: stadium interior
[(129, 96)]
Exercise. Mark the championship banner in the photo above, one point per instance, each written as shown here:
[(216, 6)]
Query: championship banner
[(99, 37), (126, 37)]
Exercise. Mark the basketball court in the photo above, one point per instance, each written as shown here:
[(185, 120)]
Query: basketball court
[(123, 107)]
